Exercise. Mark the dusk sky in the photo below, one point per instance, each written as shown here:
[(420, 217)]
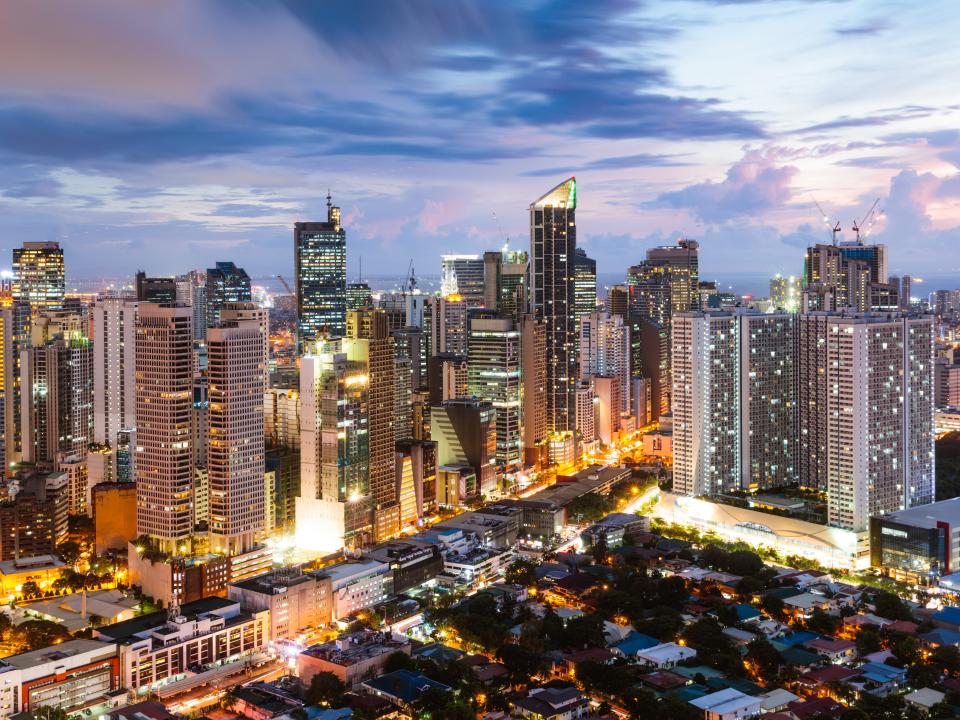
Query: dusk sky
[(170, 135)]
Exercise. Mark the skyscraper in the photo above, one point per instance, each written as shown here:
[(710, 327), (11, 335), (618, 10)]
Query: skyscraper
[(584, 284), (358, 296), (605, 351), (38, 276), (334, 508), (866, 413), (846, 276), (320, 250), (553, 241), (57, 402), (733, 402), (505, 282), (666, 282), (114, 368), (225, 283), (463, 275), (165, 459), (493, 371), (369, 341), (448, 324), (785, 293), (236, 369), (160, 290), (533, 389)]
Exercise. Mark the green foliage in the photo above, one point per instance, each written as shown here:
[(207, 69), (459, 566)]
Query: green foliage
[(521, 572), (822, 623), (36, 634), (765, 659), (589, 508), (868, 641), (325, 689), (521, 663), (399, 661), (69, 551), (891, 607)]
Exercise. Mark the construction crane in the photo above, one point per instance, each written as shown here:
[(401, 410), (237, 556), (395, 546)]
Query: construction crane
[(285, 284), (862, 225), (834, 228), (504, 238), (411, 278)]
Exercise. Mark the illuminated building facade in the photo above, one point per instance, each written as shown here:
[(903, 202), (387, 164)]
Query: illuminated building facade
[(785, 293), (493, 372), (226, 283), (114, 368), (236, 367), (584, 284), (38, 276), (320, 250), (463, 275), (553, 241), (335, 507), (164, 439)]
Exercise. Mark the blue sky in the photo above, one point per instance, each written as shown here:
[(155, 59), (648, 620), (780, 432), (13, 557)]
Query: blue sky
[(171, 136)]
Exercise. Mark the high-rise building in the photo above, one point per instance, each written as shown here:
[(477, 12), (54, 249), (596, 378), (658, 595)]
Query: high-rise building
[(164, 442), (321, 268), (553, 242), (369, 341), (666, 282), (192, 291), (505, 282), (533, 389), (584, 284), (448, 324), (785, 293), (618, 301), (586, 400), (57, 400), (650, 351), (493, 370), (733, 402), (866, 402), (160, 290), (844, 276), (226, 283), (605, 351), (463, 275), (358, 296), (334, 509), (236, 369), (408, 343), (114, 368), (38, 276), (447, 377), (465, 432)]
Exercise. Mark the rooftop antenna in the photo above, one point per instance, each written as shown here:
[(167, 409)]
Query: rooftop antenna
[(506, 240), (360, 277), (858, 226), (834, 227), (329, 201)]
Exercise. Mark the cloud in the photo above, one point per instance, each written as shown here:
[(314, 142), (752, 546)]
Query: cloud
[(752, 186), (865, 29), (40, 188), (618, 162), (884, 117)]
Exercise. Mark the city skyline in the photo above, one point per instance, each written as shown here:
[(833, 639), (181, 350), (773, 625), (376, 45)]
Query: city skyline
[(143, 141)]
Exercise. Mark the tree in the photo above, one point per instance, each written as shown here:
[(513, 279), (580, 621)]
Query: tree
[(50, 712), (584, 631), (399, 661), (868, 641), (822, 623), (36, 634), (744, 562), (599, 550), (30, 590), (522, 664), (69, 551), (946, 658), (774, 607), (325, 689), (891, 607), (749, 586), (906, 649), (521, 572), (764, 658)]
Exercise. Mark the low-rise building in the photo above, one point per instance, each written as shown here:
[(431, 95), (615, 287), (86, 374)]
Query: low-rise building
[(81, 610), (351, 657), (358, 585), (114, 515), (41, 569), (76, 676), (402, 687), (918, 544), (553, 704), (295, 600), (665, 655), (728, 704), (411, 563), (161, 647)]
